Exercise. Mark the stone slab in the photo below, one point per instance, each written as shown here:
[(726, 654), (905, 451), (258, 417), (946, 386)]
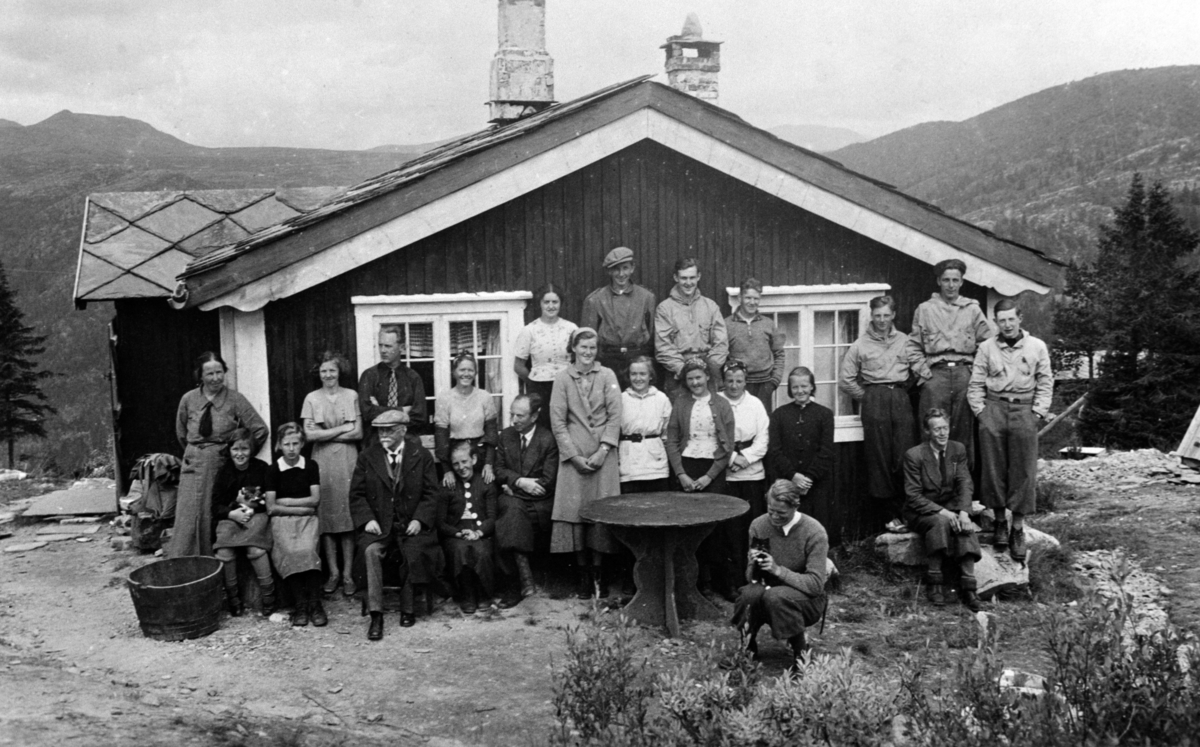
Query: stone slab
[(78, 500), (70, 531), (907, 549), (55, 537), (24, 546), (996, 572)]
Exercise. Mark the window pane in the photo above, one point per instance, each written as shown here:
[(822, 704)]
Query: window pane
[(789, 324), (825, 364), (462, 339), (826, 394), (847, 327), (823, 327), (419, 340)]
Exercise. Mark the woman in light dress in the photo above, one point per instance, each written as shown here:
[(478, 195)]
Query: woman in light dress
[(333, 426), (644, 414), (466, 412), (541, 350)]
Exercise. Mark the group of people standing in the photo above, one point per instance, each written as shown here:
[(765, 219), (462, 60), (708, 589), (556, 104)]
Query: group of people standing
[(592, 423)]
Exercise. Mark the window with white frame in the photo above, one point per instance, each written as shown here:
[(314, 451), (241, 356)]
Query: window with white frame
[(818, 323), (438, 327)]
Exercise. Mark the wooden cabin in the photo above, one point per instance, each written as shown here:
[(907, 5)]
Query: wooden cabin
[(453, 243)]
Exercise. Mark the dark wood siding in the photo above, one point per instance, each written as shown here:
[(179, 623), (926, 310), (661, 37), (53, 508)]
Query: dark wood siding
[(662, 205), (156, 351)]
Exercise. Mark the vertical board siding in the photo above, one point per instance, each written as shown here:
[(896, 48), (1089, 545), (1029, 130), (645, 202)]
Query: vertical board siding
[(156, 352), (659, 203)]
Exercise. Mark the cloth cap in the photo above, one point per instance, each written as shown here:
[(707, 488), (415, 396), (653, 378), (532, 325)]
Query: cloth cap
[(390, 419), (617, 256)]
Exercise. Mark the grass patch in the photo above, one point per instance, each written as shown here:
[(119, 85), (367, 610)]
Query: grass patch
[(1095, 532), (1052, 575)]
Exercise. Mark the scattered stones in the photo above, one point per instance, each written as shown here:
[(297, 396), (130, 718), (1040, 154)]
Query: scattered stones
[(70, 531), (996, 572), (1110, 572), (121, 543), (150, 699), (1120, 470)]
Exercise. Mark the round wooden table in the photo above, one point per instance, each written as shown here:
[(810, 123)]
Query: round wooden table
[(664, 530)]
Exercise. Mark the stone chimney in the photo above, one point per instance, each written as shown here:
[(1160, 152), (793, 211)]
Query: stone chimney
[(522, 70), (693, 61)]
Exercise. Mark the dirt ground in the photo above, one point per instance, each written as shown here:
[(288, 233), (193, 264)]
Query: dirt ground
[(75, 668)]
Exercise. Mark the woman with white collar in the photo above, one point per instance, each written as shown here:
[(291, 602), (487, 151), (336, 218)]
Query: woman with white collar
[(293, 488)]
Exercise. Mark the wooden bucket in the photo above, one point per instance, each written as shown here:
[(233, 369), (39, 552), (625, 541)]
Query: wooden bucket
[(179, 598)]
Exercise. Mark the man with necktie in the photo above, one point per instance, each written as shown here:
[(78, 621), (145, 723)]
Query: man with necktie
[(526, 468), (394, 507), (391, 385), (937, 488)]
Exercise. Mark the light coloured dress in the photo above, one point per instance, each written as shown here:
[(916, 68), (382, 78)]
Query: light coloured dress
[(545, 345), (336, 458), (644, 415), (585, 411), (472, 417)]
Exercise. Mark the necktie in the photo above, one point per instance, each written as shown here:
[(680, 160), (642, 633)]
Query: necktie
[(393, 391), (393, 465), (524, 445), (205, 427), (942, 463)]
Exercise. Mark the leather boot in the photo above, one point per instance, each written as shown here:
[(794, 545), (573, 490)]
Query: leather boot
[(233, 602), (525, 573), (970, 599), (316, 613), (375, 629), (585, 584), (799, 646), (936, 595), (269, 602)]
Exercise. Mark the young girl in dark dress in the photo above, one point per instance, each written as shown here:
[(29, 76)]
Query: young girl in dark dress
[(240, 521), (293, 494), (467, 523)]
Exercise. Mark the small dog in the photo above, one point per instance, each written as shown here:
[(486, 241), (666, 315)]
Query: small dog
[(759, 545)]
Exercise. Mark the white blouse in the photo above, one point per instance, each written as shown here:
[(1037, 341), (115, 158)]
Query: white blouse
[(702, 433), (644, 414)]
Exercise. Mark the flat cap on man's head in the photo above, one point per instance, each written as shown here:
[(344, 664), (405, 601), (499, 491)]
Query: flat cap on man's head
[(617, 256), (390, 419)]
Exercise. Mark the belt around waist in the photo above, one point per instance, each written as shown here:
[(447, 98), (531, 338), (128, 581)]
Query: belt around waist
[(612, 347), (637, 438), (949, 364), (742, 445), (1016, 399), (888, 384)]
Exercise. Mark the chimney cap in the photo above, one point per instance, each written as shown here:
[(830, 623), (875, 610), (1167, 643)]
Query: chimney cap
[(692, 32)]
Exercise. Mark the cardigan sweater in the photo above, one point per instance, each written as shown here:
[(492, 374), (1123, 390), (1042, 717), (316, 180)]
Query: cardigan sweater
[(679, 425)]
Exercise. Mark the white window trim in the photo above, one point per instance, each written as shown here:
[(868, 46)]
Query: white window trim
[(806, 299), (372, 312)]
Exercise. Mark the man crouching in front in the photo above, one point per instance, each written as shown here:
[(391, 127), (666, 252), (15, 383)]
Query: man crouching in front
[(786, 570)]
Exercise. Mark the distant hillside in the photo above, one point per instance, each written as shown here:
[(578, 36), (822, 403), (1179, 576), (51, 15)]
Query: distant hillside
[(816, 137), (46, 171), (1047, 168)]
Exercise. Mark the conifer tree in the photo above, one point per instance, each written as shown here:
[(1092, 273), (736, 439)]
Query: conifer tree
[(22, 404), (1143, 303)]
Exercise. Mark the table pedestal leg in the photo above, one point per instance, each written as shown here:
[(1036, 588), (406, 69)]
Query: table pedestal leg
[(665, 572)]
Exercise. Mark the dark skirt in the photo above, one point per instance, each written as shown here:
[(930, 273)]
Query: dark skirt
[(788, 611), (658, 485), (474, 554), (255, 533), (937, 537), (523, 525)]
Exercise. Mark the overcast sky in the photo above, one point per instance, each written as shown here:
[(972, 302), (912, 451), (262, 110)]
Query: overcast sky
[(360, 73)]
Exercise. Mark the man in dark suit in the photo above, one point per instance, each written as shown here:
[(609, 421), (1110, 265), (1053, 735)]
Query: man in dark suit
[(393, 505), (937, 494), (526, 467)]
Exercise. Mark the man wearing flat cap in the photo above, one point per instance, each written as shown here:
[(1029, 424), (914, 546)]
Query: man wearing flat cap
[(393, 504), (622, 313)]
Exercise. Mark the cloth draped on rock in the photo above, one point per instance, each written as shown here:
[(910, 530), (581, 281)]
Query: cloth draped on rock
[(585, 411), (336, 458)]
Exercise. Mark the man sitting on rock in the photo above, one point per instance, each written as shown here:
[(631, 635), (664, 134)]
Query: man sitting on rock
[(937, 495)]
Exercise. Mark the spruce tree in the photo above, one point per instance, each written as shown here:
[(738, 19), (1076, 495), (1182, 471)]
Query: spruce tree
[(22, 403), (1145, 307)]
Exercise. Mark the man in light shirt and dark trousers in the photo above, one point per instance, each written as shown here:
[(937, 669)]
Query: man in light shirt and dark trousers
[(1010, 393)]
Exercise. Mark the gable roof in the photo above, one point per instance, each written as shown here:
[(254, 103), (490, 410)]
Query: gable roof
[(135, 244), (475, 173)]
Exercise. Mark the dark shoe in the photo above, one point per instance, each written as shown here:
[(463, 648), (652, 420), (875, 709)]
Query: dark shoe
[(1016, 544), (330, 585), (407, 619), (970, 599), (468, 606), (752, 647), (316, 613), (1000, 535), (375, 629), (799, 647), (585, 585), (300, 616), (510, 599), (525, 573), (269, 604), (936, 595), (348, 587), (233, 603)]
